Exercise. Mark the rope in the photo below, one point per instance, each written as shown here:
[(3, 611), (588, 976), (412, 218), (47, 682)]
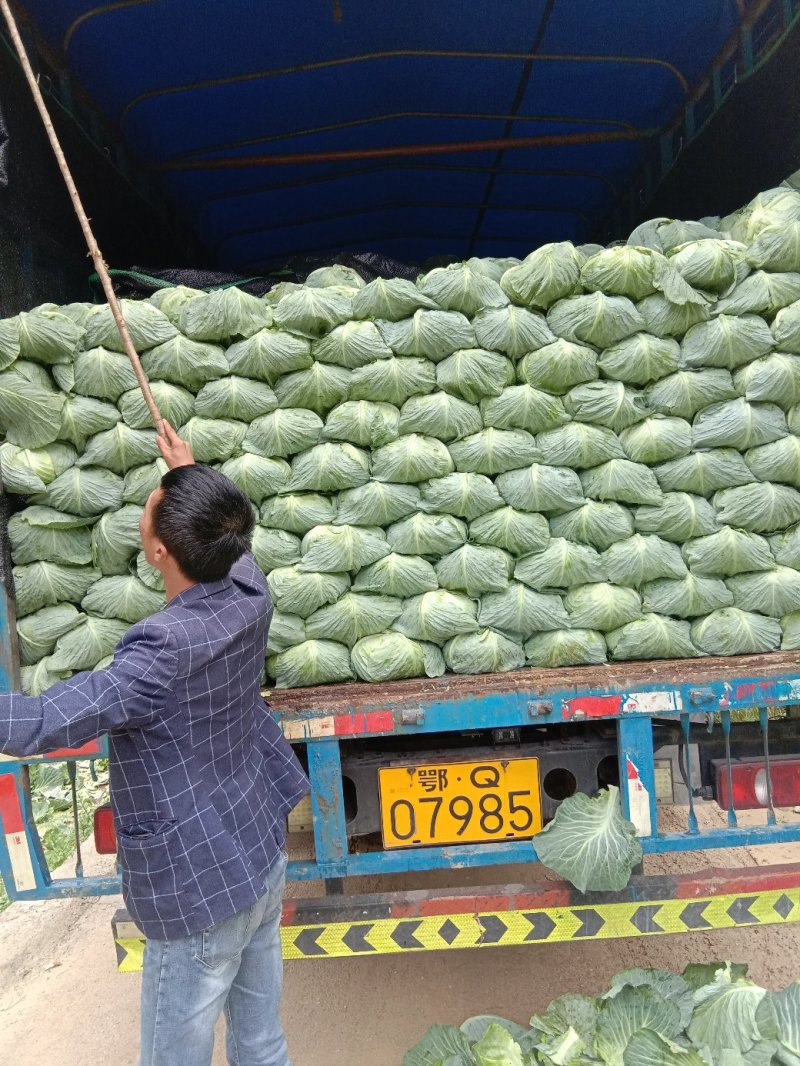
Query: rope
[(91, 242)]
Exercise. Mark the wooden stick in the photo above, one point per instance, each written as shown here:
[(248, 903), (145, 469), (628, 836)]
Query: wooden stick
[(97, 258)]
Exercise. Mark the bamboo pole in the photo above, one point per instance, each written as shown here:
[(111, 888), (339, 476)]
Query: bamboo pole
[(91, 242)]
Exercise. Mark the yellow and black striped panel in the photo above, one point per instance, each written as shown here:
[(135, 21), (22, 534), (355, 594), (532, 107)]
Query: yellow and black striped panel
[(602, 921)]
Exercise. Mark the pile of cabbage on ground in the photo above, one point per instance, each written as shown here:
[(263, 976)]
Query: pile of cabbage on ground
[(588, 454)]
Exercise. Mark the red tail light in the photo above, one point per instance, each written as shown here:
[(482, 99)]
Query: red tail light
[(105, 837), (749, 778)]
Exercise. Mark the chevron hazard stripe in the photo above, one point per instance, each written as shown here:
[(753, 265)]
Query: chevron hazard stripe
[(451, 931)]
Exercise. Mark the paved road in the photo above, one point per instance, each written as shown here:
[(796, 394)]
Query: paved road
[(62, 1001)]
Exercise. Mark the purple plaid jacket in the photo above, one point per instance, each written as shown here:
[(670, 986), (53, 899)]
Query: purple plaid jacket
[(201, 776)]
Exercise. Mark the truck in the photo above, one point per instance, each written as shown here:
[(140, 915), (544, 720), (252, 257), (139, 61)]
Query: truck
[(362, 132)]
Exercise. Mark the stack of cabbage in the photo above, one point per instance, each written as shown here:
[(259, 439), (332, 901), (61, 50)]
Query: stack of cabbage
[(588, 454)]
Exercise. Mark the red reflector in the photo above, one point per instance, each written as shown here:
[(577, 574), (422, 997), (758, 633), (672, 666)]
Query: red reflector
[(749, 777), (105, 837)]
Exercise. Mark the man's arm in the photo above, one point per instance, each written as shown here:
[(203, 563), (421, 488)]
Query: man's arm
[(130, 692)]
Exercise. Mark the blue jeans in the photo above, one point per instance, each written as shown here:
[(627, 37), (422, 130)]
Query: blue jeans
[(235, 966)]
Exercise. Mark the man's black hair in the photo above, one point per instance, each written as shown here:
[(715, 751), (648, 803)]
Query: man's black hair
[(204, 521)]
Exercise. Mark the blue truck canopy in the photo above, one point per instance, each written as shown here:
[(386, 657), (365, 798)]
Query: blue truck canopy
[(415, 129)]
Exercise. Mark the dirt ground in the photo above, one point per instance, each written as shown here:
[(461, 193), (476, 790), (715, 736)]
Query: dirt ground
[(63, 1002)]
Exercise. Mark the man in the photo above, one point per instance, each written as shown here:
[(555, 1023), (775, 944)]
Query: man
[(201, 777)]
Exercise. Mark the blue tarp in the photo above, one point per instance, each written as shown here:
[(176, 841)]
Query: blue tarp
[(257, 82)]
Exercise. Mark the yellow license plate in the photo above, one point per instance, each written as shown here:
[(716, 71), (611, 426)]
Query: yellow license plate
[(459, 802)]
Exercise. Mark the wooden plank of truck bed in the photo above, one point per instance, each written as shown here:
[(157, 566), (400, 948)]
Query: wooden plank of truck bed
[(562, 694)]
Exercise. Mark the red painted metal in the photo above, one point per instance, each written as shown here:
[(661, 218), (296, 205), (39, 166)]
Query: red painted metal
[(10, 807)]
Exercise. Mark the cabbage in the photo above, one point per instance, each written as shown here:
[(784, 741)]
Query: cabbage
[(37, 679), (151, 577), (622, 481), (120, 449), (39, 632), (258, 477), (597, 524), (731, 631), (474, 569), (295, 591), (30, 406), (410, 459), (738, 424), (667, 319), (521, 611), (511, 330), (320, 388), (234, 397), (285, 631), (377, 504), (729, 552), (283, 433), (785, 548), (390, 298), (83, 492), (437, 616), (595, 319), (268, 355), (335, 549), (329, 467), (393, 380), (28, 470), (47, 336), (9, 342), (686, 392), (432, 334), (622, 270), (440, 414), (790, 627), (560, 565), (639, 559), (397, 575), (779, 461), (558, 367), (312, 312), (44, 584), (522, 407), (170, 300), (392, 656), (462, 287), (775, 378), (314, 662), (708, 264), (353, 616), (640, 359), (298, 512), (651, 637), (515, 531), (687, 597), (213, 439), (86, 645), (484, 652), (494, 451), (350, 345), (364, 423), (275, 547), (175, 404), (601, 606), (657, 439), (541, 488), (726, 342), (222, 315), (465, 495), (324, 277), (679, 517), (147, 326), (139, 483), (126, 597), (786, 328), (565, 647), (775, 593), (546, 275), (83, 417), (580, 446), (116, 540), (703, 473), (760, 508), (606, 403), (761, 293), (182, 362), (473, 373)]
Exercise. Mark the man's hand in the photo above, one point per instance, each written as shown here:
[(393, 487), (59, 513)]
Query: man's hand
[(176, 452)]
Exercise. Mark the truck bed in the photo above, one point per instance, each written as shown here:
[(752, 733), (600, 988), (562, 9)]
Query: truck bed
[(538, 684)]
